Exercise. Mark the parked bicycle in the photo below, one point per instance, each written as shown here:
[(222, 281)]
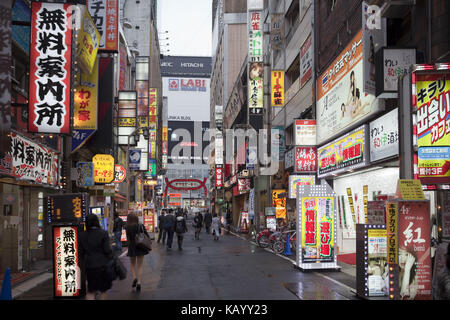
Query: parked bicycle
[(279, 245)]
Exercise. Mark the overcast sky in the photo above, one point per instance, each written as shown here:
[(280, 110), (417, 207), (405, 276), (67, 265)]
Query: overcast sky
[(189, 24)]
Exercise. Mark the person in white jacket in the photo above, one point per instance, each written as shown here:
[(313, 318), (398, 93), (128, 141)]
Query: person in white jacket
[(215, 226)]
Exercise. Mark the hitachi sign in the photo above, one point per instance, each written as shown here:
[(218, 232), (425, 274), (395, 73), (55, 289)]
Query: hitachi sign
[(191, 65)]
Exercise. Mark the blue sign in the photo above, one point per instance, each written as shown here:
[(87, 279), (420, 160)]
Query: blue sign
[(85, 174), (79, 137), (134, 162), (434, 152)]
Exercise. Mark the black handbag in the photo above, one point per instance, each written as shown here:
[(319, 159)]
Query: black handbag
[(142, 240)]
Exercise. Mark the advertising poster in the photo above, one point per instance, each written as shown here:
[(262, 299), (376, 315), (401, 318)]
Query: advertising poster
[(342, 101), (134, 161), (297, 180), (148, 220), (85, 174), (244, 222), (123, 238), (66, 268), (414, 259), (376, 212), (255, 87), (384, 136), (142, 102), (377, 282), (277, 83), (305, 132), (345, 153), (433, 114), (317, 229), (103, 168), (279, 203), (32, 161), (50, 68)]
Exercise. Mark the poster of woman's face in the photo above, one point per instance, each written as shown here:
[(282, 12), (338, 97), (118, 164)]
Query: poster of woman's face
[(256, 70)]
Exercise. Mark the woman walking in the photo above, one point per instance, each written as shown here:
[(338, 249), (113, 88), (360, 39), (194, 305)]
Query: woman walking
[(216, 226), (96, 251), (136, 254)]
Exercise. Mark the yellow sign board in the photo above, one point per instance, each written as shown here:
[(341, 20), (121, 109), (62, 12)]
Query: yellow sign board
[(277, 88), (279, 203), (88, 42), (85, 101), (103, 168), (409, 189)]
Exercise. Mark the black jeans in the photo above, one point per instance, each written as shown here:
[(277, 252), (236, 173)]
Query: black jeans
[(169, 237), (162, 235), (180, 240)]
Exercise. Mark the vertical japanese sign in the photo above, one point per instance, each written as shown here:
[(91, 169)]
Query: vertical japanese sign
[(105, 14), (50, 68), (123, 67), (306, 61), (432, 107), (103, 168), (276, 31), (66, 269), (85, 108), (88, 41), (153, 113), (255, 60), (142, 103), (414, 252), (277, 83), (5, 83), (317, 229), (219, 176)]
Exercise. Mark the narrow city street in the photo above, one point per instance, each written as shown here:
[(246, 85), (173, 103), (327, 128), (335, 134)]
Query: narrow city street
[(229, 269)]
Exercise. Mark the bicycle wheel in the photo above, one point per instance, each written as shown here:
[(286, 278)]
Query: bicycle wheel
[(278, 246), (263, 242)]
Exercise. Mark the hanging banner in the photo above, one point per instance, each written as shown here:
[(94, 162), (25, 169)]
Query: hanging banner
[(103, 168), (88, 41), (85, 108), (50, 68), (85, 174), (255, 60), (433, 126), (33, 161), (255, 87), (105, 14), (66, 265), (277, 83)]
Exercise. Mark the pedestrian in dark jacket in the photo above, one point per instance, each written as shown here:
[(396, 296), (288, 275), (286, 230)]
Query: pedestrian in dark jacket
[(136, 254), (208, 221), (96, 251), (198, 222), (169, 225), (117, 230), (162, 232), (180, 229)]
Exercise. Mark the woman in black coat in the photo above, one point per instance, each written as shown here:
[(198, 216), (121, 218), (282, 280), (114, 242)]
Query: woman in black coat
[(96, 250), (136, 254)]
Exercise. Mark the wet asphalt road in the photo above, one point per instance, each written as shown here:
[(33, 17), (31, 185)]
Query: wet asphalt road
[(228, 269)]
